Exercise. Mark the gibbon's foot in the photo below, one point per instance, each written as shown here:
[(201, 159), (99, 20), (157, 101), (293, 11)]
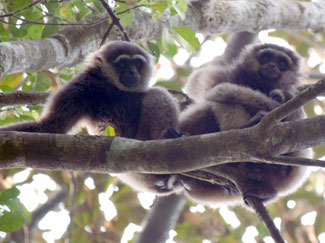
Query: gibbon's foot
[(262, 192), (173, 133), (277, 95), (167, 184), (197, 186)]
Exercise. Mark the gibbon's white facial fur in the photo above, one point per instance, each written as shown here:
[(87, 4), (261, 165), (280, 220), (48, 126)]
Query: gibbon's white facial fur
[(106, 62)]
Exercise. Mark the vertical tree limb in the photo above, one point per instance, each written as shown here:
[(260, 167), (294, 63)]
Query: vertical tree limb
[(161, 219)]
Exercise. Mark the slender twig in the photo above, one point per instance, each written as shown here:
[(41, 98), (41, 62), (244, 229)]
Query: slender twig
[(176, 92), (54, 200), (53, 24), (71, 198), (239, 178), (23, 98), (294, 161), (264, 215), (183, 104), (90, 8), (21, 10), (115, 21), (106, 34), (130, 9), (210, 177)]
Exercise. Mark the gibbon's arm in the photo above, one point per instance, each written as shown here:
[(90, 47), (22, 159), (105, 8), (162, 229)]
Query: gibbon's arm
[(61, 112), (244, 96), (199, 118)]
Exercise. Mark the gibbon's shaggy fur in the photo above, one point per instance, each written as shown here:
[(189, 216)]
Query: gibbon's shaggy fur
[(113, 90), (238, 96)]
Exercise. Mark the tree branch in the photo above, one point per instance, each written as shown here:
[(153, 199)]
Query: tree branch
[(21, 10), (177, 155), (264, 215), (112, 154), (161, 219), (115, 21), (241, 179), (72, 44), (23, 98), (219, 16)]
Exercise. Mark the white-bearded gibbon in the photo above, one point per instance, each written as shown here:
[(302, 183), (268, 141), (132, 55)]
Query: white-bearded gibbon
[(113, 90), (238, 96)]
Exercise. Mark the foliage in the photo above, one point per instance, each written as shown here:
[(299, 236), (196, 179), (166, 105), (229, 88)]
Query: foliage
[(12, 211), (89, 223)]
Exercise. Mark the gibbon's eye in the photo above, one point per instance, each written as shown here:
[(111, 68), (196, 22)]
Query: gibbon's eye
[(121, 64), (283, 63), (265, 57), (139, 64)]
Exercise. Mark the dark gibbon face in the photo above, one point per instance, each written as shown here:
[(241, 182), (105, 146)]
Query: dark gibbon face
[(266, 67), (129, 68), (126, 65), (273, 63)]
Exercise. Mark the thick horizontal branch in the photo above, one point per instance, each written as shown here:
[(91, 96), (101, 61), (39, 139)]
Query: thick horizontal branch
[(234, 16), (116, 154), (69, 46), (119, 155)]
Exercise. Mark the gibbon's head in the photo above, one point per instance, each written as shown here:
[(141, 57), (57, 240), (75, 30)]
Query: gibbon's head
[(126, 65), (271, 66)]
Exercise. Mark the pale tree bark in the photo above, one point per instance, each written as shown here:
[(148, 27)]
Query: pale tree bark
[(233, 16), (121, 155), (23, 98), (65, 48), (70, 45), (118, 155)]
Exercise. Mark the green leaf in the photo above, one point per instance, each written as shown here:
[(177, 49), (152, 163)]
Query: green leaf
[(11, 221), (127, 18), (13, 5), (167, 47), (155, 49), (42, 82), (159, 6), (50, 30), (36, 15), (21, 32), (12, 80), (180, 7), (110, 131), (169, 85), (8, 194), (187, 36), (51, 5), (35, 31)]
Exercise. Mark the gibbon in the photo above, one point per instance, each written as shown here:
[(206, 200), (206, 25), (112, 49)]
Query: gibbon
[(113, 90), (238, 96)]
